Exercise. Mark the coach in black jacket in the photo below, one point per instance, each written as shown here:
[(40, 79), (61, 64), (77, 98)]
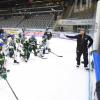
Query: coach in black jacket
[(84, 42)]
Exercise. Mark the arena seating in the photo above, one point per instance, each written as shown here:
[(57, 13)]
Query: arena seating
[(10, 22), (34, 21), (38, 21)]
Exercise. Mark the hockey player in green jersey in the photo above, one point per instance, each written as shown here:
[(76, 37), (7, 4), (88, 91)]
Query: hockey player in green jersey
[(33, 45), (2, 58), (3, 71), (26, 49)]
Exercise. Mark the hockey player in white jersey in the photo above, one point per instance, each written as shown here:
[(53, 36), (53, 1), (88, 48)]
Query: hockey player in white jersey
[(12, 47), (46, 37), (44, 45)]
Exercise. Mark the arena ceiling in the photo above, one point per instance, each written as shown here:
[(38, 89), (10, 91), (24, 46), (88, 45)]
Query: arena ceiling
[(8, 7), (19, 7), (25, 3)]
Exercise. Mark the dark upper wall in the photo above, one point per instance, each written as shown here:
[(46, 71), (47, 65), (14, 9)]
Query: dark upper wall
[(25, 3)]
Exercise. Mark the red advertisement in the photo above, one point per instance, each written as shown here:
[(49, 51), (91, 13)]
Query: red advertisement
[(36, 34)]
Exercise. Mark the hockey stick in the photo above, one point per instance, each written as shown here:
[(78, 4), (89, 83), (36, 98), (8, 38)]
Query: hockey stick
[(55, 54), (11, 89), (40, 56)]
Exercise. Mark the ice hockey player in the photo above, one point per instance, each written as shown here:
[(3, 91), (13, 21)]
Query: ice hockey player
[(2, 57), (33, 45), (46, 37), (2, 61), (26, 45), (84, 42), (44, 45), (12, 48), (3, 35)]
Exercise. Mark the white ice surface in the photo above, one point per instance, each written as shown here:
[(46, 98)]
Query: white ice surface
[(54, 78)]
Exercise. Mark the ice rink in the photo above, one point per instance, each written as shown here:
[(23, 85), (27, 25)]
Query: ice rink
[(55, 78)]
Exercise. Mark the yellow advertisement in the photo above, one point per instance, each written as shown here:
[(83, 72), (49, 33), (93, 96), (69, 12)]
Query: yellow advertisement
[(12, 31)]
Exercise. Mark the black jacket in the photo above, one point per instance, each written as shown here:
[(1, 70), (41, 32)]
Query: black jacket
[(47, 36), (82, 43)]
